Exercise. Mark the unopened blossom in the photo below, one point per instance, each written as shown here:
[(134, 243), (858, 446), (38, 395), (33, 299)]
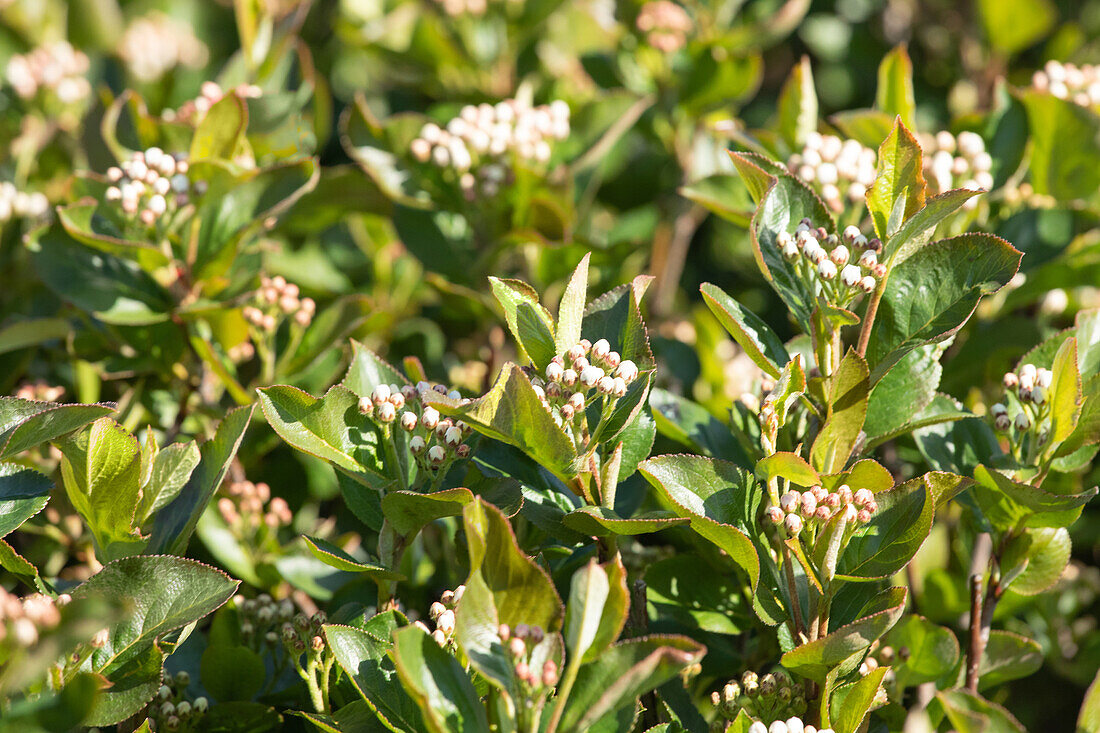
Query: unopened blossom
[(152, 185), (156, 43), (276, 298), (57, 67), (665, 24), (839, 170), (210, 94), (16, 204), (1078, 84), (961, 161)]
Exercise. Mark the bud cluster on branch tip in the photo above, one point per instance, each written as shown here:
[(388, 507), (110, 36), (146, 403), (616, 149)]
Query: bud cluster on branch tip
[(837, 169), (433, 440), (773, 697), (57, 67), (245, 506), (152, 184), (23, 619), (961, 161), (582, 375), (836, 268), (39, 391), (171, 709), (665, 24), (883, 656), (479, 145), (210, 93), (816, 506), (1031, 388), (156, 43), (442, 613), (1079, 84), (519, 643), (791, 725), (277, 298), (16, 204)]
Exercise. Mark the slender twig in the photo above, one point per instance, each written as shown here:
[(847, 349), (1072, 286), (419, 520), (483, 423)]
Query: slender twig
[(977, 643), (796, 605), (869, 316)]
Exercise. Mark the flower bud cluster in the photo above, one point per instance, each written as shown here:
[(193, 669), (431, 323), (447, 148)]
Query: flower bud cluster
[(23, 620), (519, 642), (277, 298), (883, 656), (155, 44), (1029, 413), (435, 441), (772, 697), (39, 391), (665, 24), (57, 67), (481, 146), (1079, 84), (835, 269), (442, 613), (585, 373), (793, 724), (16, 204), (812, 508), (838, 169), (246, 506), (267, 623), (171, 709), (210, 93), (952, 162), (152, 184)]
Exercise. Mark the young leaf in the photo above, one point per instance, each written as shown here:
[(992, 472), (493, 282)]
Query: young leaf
[(530, 323), (847, 392), (168, 474), (365, 661), (408, 512), (752, 334), (1006, 503), (25, 424), (589, 591), (23, 493), (896, 531), (915, 231), (333, 556), (899, 190), (1065, 392), (367, 370), (438, 683), (852, 703), (895, 94), (571, 308), (798, 105)]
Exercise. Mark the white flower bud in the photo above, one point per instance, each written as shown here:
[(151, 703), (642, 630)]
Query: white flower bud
[(851, 233), (628, 370), (827, 270), (576, 401), (867, 284), (386, 412), (554, 371), (453, 436), (380, 394), (590, 375), (417, 445), (409, 420), (840, 255), (1044, 378), (600, 349), (606, 385), (569, 377), (851, 275), (619, 388), (1022, 421), (436, 454), (868, 259)]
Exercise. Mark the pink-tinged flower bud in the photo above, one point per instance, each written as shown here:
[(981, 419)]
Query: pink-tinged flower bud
[(775, 515), (628, 370), (845, 493), (790, 501), (809, 504), (851, 232), (417, 445), (429, 418), (850, 513), (590, 375), (446, 622), (867, 284), (863, 497), (1011, 381), (819, 493), (453, 436), (576, 401), (606, 385), (566, 412), (839, 255), (612, 360), (380, 394), (998, 409), (1039, 395), (421, 149), (1044, 378), (437, 455), (879, 271), (549, 673), (554, 371), (576, 351), (826, 269), (442, 427), (517, 646), (793, 524), (366, 406), (1002, 422), (875, 245), (436, 610), (823, 513), (600, 349), (439, 637), (269, 322), (504, 632), (569, 377), (396, 398), (864, 516), (832, 501), (868, 259), (580, 364), (620, 387), (386, 412), (850, 276), (462, 451), (553, 390), (1025, 392)]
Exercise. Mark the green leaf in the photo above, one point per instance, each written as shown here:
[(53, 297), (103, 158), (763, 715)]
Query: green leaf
[(1065, 140), (409, 511), (438, 683), (897, 530), (785, 204), (367, 370), (905, 390), (23, 493), (967, 713), (899, 190), (162, 594), (588, 592), (371, 671), (603, 522), (816, 658), (1006, 657), (85, 225), (933, 650), (942, 409), (720, 499), (114, 290), (798, 105), (571, 308), (757, 172), (132, 685), (847, 394), (616, 316), (789, 466), (624, 672), (914, 232), (537, 322), (20, 567), (1089, 717), (852, 703), (895, 94), (692, 425), (25, 424), (868, 127), (1065, 392), (1013, 25), (330, 428), (28, 332), (752, 334), (169, 473), (232, 672), (1006, 502), (333, 556), (512, 413), (221, 131), (1048, 555), (101, 471), (175, 523), (930, 295)]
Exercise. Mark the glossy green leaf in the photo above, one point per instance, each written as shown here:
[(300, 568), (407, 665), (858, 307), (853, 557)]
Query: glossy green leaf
[(1048, 554), (438, 683), (132, 685), (852, 703), (603, 522), (895, 94), (847, 394), (903, 392), (168, 474), (333, 556), (408, 511), (896, 531), (571, 308), (23, 493), (1065, 392), (752, 334), (1006, 502), (231, 672), (914, 233), (933, 650), (968, 712), (367, 370), (616, 316), (1006, 657), (789, 466), (692, 425), (798, 105), (899, 190), (25, 424)]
